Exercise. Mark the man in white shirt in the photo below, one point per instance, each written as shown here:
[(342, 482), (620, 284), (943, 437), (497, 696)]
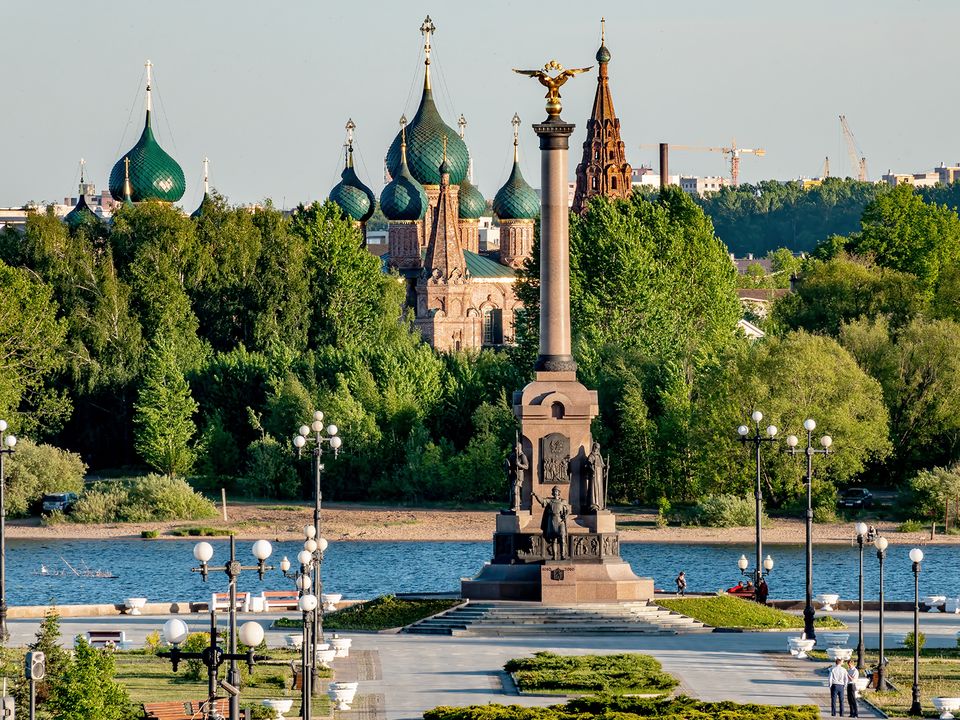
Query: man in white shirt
[(852, 675), (838, 686)]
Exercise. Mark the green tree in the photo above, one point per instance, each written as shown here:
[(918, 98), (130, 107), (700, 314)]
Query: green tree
[(47, 641), (919, 370), (789, 379), (931, 493), (164, 413), (87, 690), (905, 233), (31, 343), (784, 265), (35, 470), (845, 288)]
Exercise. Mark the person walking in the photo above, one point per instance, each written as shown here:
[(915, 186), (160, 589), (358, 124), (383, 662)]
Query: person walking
[(681, 584), (838, 686), (852, 675)]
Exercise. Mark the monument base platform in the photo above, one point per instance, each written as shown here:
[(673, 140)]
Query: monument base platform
[(560, 583)]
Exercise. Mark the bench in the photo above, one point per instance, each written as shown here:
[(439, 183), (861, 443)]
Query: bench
[(221, 601), (107, 638), (182, 710), (283, 599)]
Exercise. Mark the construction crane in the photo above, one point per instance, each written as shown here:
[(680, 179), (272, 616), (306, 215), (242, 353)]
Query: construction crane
[(858, 160), (733, 152)]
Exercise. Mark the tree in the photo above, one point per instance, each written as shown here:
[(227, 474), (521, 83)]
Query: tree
[(789, 379), (86, 689), (842, 289), (31, 342), (905, 233), (163, 413), (932, 492), (919, 370), (784, 265), (47, 641)]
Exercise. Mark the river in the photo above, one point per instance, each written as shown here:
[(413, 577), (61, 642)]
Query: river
[(160, 569)]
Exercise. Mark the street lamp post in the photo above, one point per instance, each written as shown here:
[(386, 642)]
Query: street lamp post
[(826, 441), (202, 552), (308, 659), (335, 442), (861, 529), (307, 604), (916, 557), (7, 443), (758, 439), (881, 544), (175, 631)]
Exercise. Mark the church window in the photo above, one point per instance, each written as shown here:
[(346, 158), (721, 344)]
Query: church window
[(613, 183), (492, 326)]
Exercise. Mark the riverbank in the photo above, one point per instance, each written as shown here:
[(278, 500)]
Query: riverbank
[(364, 522)]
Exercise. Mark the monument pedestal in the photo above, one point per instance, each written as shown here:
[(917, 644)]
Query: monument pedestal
[(558, 583)]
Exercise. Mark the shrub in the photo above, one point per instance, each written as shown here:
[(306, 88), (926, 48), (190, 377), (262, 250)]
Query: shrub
[(625, 672), (908, 640), (911, 526), (151, 498), (195, 643), (149, 534), (271, 471), (726, 511), (35, 470), (151, 643)]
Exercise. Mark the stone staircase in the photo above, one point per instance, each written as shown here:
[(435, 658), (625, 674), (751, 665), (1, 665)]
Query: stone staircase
[(498, 619)]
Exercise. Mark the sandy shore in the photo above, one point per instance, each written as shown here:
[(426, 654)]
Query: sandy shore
[(361, 522)]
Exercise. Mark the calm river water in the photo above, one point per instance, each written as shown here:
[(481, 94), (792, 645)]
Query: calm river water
[(160, 569)]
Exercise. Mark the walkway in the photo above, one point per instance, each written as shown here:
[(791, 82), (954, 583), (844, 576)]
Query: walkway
[(403, 675)]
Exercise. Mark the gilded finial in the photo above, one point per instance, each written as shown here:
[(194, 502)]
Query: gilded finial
[(553, 83), (603, 31), (149, 66), (462, 125), (206, 176), (127, 189), (427, 29), (348, 145), (515, 121), (83, 164), (403, 138), (444, 138)]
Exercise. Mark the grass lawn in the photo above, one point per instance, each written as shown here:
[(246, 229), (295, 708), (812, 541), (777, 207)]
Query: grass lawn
[(939, 677), (151, 679), (729, 611), (382, 613), (627, 673)]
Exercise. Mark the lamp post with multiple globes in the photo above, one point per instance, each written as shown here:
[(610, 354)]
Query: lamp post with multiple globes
[(916, 557), (757, 439), (826, 441), (318, 439), (7, 444), (203, 552), (881, 544), (861, 530)]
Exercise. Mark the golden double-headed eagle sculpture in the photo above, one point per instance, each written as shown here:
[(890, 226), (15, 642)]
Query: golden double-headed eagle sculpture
[(553, 83)]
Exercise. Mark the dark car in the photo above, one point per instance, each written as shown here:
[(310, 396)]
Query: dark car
[(59, 501), (856, 498)]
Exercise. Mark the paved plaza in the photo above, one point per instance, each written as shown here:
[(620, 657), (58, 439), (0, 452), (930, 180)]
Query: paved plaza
[(403, 675)]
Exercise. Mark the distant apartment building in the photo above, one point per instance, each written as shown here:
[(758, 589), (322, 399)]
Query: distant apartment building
[(943, 174), (700, 186), (648, 177)]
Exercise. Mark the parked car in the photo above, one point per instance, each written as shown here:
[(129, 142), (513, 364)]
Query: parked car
[(59, 501), (856, 498)]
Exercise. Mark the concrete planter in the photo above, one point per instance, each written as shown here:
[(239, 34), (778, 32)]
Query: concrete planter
[(862, 683), (330, 601), (342, 694), (800, 646), (135, 605), (278, 706), (835, 639), (828, 600), (341, 645), (325, 656), (946, 706), (933, 602), (294, 640), (839, 652)]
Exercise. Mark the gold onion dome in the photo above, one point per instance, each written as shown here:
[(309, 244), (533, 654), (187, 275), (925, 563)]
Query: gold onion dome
[(403, 198), (153, 174), (355, 199)]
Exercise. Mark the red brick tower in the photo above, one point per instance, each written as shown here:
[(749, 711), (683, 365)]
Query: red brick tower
[(604, 169)]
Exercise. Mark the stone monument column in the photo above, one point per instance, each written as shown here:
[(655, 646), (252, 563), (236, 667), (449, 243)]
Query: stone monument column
[(558, 542), (555, 353)]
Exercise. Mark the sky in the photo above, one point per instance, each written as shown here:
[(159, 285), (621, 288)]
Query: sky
[(265, 89)]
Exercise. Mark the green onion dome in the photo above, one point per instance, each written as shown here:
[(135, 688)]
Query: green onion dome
[(80, 215), (425, 135), (355, 199), (603, 55), (472, 203), (403, 198), (516, 200), (154, 175), (203, 208)]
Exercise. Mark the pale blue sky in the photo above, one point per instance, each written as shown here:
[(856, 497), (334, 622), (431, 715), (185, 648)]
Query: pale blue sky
[(264, 89)]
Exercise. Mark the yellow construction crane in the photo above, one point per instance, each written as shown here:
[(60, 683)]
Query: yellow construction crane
[(733, 152), (857, 159)]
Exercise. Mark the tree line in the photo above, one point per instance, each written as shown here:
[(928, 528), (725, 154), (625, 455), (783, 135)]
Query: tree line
[(196, 346)]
